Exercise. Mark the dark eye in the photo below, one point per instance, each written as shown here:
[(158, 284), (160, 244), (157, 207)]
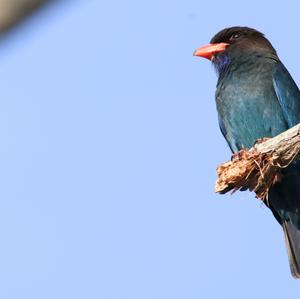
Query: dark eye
[(235, 35)]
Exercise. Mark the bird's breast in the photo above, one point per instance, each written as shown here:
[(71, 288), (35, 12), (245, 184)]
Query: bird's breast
[(247, 105)]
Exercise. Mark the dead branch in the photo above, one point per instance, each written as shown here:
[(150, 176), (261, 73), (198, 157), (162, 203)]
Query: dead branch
[(258, 168)]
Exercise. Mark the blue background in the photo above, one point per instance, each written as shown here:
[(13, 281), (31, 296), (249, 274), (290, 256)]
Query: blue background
[(109, 144)]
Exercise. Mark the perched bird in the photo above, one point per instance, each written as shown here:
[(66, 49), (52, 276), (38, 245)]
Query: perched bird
[(256, 97)]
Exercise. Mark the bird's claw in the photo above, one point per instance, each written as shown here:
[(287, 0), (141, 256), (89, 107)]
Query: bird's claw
[(238, 155), (261, 140)]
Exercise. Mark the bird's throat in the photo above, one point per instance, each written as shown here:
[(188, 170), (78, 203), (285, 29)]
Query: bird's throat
[(221, 63)]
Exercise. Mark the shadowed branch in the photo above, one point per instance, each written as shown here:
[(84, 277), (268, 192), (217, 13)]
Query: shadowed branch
[(258, 168), (14, 11)]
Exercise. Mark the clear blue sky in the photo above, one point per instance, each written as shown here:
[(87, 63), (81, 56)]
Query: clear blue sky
[(109, 144)]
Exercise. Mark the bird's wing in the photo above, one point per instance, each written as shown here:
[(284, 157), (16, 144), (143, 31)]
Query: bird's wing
[(288, 94), (225, 134)]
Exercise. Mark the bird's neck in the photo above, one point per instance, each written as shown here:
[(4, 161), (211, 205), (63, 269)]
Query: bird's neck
[(247, 61), (223, 62)]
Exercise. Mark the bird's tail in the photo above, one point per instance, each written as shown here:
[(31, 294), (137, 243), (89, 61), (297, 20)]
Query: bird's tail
[(292, 240)]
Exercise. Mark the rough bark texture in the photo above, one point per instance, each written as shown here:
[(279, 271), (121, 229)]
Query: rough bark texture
[(13, 11), (258, 168)]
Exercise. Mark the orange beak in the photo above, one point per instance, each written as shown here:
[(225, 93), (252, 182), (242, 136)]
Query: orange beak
[(208, 51)]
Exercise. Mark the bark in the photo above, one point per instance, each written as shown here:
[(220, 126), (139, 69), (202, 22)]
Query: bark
[(258, 168)]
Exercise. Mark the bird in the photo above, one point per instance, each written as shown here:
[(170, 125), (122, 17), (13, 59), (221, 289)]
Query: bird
[(257, 98)]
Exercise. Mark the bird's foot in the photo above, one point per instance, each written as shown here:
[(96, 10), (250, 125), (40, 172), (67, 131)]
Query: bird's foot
[(238, 155), (261, 140)]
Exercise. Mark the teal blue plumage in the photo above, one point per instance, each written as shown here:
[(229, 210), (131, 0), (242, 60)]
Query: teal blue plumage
[(256, 97)]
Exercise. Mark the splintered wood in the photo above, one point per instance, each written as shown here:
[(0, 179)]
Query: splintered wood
[(258, 168)]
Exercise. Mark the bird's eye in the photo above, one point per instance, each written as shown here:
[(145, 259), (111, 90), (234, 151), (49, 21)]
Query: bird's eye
[(235, 36)]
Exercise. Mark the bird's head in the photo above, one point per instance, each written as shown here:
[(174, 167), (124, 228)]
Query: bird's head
[(235, 42)]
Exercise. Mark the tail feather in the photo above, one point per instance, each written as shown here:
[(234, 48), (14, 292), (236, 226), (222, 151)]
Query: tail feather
[(292, 240)]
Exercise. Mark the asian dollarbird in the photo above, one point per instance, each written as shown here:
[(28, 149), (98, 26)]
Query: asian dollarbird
[(256, 97)]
